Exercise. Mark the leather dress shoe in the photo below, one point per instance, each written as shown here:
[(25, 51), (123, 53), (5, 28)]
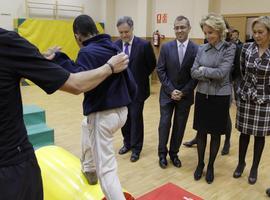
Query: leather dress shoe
[(176, 162), (239, 170), (252, 178), (163, 162), (190, 143), (268, 192), (123, 150), (134, 157)]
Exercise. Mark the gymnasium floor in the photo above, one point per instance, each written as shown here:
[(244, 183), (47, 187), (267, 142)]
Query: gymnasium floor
[(64, 114)]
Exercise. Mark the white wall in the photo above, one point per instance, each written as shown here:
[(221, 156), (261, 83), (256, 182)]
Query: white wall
[(244, 6), (192, 9), (126, 8), (143, 12), (16, 8), (10, 10)]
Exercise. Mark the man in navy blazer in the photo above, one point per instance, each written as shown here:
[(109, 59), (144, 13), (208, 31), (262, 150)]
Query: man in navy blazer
[(176, 92), (142, 62)]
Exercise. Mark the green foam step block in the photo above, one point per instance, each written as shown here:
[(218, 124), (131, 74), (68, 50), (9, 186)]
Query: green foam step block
[(40, 135), (38, 132), (33, 115)]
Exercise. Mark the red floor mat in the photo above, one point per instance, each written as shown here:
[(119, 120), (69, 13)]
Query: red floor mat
[(169, 191)]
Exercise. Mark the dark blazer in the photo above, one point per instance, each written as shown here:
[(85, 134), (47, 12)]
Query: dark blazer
[(142, 62), (173, 76)]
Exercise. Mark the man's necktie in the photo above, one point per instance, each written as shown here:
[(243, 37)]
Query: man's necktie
[(126, 51), (181, 53)]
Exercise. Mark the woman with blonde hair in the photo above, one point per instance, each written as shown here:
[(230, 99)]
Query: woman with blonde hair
[(212, 68), (253, 104)]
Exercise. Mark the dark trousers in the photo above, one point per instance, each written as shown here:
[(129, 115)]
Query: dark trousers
[(22, 181), (133, 130), (181, 112)]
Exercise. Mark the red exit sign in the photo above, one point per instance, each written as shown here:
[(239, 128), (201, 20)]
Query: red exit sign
[(162, 18)]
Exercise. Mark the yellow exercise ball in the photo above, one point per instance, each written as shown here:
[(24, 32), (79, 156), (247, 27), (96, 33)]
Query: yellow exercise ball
[(62, 176)]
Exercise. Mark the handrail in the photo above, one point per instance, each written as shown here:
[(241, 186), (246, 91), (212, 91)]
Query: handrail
[(55, 7)]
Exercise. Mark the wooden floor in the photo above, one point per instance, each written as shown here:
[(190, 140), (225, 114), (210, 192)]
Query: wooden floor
[(64, 114)]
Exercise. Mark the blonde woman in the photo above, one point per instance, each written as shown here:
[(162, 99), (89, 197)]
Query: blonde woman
[(212, 69), (253, 105)]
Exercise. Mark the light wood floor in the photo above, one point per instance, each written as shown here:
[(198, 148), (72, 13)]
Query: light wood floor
[(64, 114)]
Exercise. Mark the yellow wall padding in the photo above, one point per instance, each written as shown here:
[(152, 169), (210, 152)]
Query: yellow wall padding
[(48, 33), (62, 176)]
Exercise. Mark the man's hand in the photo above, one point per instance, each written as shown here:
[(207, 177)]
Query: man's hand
[(176, 95), (119, 62), (50, 53)]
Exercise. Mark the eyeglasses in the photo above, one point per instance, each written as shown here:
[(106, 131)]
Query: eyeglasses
[(176, 28)]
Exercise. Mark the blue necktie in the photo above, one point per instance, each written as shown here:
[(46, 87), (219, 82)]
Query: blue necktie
[(126, 51)]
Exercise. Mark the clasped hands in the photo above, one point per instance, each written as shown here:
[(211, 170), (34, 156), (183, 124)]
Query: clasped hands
[(177, 95)]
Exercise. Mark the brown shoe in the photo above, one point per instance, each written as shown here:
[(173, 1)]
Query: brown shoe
[(91, 177)]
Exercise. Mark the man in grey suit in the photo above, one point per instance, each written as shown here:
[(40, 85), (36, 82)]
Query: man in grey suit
[(176, 93)]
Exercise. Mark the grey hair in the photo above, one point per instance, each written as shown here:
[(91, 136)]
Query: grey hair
[(265, 20), (216, 22), (123, 20)]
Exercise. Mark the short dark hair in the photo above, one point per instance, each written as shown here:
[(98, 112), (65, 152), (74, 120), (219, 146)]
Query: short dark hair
[(235, 31), (123, 20), (84, 25), (181, 17)]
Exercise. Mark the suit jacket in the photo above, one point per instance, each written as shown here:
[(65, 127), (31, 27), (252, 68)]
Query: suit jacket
[(255, 70), (142, 62), (173, 76), (216, 62)]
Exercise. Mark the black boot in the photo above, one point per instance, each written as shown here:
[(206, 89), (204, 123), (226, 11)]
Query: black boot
[(239, 170), (209, 174), (252, 178), (225, 149), (198, 172)]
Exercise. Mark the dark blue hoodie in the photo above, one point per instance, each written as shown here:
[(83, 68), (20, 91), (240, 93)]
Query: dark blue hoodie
[(116, 91)]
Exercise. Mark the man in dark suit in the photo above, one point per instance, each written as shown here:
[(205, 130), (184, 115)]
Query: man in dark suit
[(142, 62), (176, 92)]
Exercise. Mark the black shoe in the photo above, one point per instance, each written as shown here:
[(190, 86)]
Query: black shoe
[(226, 149), (190, 143), (123, 150), (239, 170), (176, 162), (209, 177), (134, 157), (252, 178), (198, 172), (268, 192), (163, 162)]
